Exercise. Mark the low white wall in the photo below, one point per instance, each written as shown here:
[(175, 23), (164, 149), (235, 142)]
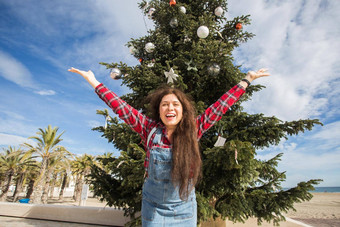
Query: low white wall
[(105, 216), (88, 215)]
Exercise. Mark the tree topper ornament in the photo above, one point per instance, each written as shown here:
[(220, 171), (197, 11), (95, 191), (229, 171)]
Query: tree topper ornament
[(171, 76)]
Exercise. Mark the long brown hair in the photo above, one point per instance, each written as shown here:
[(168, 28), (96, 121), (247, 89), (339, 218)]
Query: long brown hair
[(186, 158)]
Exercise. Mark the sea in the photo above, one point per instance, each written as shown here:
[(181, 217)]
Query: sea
[(326, 189), (323, 189)]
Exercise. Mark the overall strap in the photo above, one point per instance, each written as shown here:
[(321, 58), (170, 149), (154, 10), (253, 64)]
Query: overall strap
[(147, 146), (150, 134)]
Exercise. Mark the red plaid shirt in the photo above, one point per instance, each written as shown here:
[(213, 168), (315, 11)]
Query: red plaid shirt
[(143, 124)]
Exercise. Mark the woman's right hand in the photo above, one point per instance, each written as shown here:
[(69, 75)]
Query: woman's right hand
[(88, 75)]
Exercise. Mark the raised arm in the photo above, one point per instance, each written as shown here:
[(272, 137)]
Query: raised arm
[(136, 120), (215, 112)]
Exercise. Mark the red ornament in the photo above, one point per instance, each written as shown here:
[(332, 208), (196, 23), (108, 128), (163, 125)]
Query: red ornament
[(140, 60), (172, 2), (238, 26)]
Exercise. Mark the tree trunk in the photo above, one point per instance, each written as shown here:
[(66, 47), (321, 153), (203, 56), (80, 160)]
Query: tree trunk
[(18, 187), (51, 189), (75, 187), (39, 183), (2, 179), (5, 187), (30, 189), (63, 185), (78, 188), (44, 196)]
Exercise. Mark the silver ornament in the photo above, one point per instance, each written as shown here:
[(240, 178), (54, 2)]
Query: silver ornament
[(173, 22), (149, 47), (219, 11), (182, 9), (214, 69), (203, 32), (115, 74)]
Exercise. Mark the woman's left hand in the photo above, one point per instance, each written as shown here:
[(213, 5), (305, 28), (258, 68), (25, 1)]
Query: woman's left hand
[(251, 75)]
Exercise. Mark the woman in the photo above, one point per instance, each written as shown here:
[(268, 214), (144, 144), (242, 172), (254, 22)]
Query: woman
[(173, 162)]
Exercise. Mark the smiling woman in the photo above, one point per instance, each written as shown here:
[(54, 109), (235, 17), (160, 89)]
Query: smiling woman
[(170, 110), (173, 162)]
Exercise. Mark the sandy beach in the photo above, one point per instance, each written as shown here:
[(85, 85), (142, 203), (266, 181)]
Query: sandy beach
[(323, 210)]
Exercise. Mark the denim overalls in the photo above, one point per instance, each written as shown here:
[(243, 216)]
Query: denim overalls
[(161, 204)]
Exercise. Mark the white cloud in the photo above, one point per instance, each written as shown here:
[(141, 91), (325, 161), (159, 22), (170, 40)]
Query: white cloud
[(327, 138), (305, 162), (302, 167), (316, 156), (300, 161), (94, 123), (298, 42), (115, 24), (11, 114), (16, 125), (97, 32), (45, 92), (14, 71), (12, 140)]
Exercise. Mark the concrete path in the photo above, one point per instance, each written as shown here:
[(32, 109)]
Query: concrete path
[(27, 222)]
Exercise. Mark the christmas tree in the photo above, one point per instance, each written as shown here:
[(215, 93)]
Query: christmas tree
[(191, 48)]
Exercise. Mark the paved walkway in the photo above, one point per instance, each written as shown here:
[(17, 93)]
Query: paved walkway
[(27, 222)]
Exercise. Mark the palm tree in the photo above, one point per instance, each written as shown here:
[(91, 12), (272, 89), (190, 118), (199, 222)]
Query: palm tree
[(54, 161), (12, 160), (22, 177), (32, 175), (81, 167), (2, 177), (64, 173), (47, 147)]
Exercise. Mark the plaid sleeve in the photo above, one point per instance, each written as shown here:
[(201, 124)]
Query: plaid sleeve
[(215, 112), (136, 120)]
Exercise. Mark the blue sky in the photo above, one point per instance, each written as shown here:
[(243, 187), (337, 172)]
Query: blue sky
[(297, 40)]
